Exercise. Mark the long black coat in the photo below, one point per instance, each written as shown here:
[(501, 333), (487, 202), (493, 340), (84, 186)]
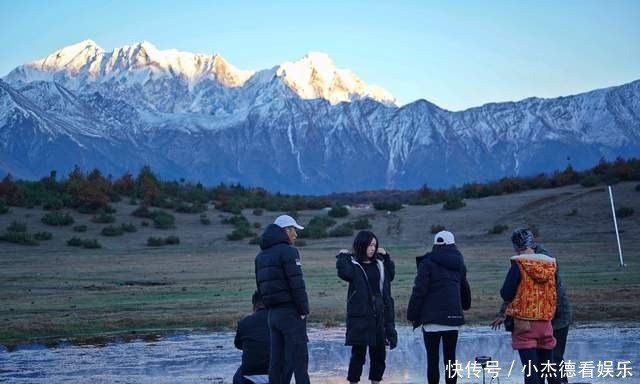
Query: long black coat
[(362, 307), (278, 273), (441, 290)]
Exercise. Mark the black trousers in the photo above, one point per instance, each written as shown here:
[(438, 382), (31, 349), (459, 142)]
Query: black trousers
[(534, 358), (432, 344), (377, 357), (288, 355), (558, 351)]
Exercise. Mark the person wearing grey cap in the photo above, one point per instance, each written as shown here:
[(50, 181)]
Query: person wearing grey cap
[(440, 295), (281, 285)]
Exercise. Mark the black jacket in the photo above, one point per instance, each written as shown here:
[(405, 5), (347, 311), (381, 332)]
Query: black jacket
[(363, 309), (252, 337), (441, 290), (278, 273)]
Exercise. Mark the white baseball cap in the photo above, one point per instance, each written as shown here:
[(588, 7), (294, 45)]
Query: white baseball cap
[(443, 238), (284, 221)]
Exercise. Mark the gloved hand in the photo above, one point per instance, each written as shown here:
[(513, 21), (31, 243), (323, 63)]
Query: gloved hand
[(392, 338)]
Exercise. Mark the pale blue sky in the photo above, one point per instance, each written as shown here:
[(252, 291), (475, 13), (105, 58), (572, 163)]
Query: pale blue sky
[(456, 54)]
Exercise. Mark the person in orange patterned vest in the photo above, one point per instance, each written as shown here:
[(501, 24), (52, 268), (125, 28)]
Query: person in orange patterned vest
[(530, 289)]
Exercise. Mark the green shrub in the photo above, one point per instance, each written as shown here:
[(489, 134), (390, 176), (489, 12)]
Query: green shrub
[(362, 223), (155, 241), (104, 218), (342, 230), (57, 219), (91, 244), (437, 228), (321, 221), (314, 232), (41, 236), (498, 229), (133, 202), (637, 190), (237, 221), (453, 203), (590, 181), (163, 220), (17, 227), (257, 212), (387, 206), (183, 207), (623, 212), (130, 227), (22, 238), (172, 240), (338, 211), (52, 204), (143, 212), (109, 209), (144, 224), (74, 242), (112, 230), (80, 228), (204, 220), (573, 212), (240, 233), (4, 209)]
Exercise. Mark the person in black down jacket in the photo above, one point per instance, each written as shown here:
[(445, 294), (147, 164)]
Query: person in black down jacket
[(280, 283), (440, 294), (370, 309), (252, 338)]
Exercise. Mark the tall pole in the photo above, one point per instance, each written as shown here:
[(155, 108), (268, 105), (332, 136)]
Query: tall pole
[(615, 223)]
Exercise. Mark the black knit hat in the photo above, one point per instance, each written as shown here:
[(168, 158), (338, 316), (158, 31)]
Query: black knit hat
[(522, 238)]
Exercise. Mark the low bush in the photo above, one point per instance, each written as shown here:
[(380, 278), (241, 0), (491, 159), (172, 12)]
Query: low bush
[(57, 219), (142, 212), (342, 230), (338, 211), (109, 209), (21, 238), (91, 244), (172, 240), (258, 212), (590, 181), (80, 228), (362, 223), (574, 212), (155, 241), (387, 206), (17, 227), (111, 231), (74, 242), (498, 229), (623, 212), (163, 220), (204, 220), (129, 227), (104, 218), (52, 204), (453, 203), (437, 228), (42, 236)]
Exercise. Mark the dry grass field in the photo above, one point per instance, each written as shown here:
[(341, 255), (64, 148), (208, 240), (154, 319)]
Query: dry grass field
[(54, 291)]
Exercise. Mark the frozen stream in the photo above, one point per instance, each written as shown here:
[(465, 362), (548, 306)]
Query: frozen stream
[(212, 358)]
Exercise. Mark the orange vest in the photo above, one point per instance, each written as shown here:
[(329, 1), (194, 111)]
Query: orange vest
[(536, 295)]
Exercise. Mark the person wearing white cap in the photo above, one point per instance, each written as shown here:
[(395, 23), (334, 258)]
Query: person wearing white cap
[(281, 285), (440, 294)]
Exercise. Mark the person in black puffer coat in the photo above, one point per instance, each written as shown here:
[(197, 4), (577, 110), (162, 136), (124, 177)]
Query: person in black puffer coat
[(440, 294), (369, 271), (280, 283)]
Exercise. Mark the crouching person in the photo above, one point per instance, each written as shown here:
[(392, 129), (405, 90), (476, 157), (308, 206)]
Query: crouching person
[(252, 338)]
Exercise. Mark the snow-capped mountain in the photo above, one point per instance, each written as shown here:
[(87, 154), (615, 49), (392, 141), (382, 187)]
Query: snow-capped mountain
[(303, 126)]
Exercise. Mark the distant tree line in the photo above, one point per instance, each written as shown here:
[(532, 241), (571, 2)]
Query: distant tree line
[(93, 192)]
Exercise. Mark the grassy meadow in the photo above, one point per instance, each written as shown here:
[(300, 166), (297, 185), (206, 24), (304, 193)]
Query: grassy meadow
[(53, 291)]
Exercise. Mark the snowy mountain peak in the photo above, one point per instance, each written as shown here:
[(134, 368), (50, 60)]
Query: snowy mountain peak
[(316, 76)]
